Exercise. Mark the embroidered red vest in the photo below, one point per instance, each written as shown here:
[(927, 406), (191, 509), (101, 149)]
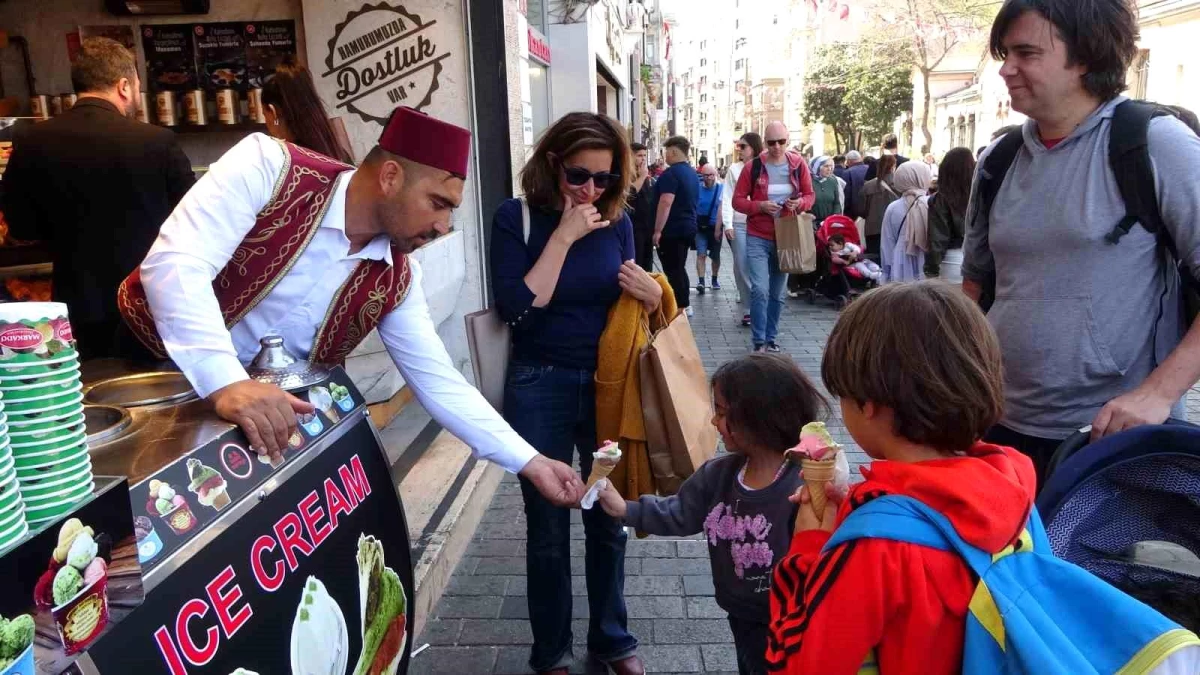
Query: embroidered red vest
[(282, 231)]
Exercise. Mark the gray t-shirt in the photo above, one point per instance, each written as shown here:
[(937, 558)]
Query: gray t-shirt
[(748, 531), (779, 184), (1082, 321)]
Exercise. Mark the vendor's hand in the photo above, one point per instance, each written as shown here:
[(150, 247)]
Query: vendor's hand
[(792, 204), (611, 501), (657, 238), (806, 518), (266, 413), (729, 234), (635, 281), (578, 221), (769, 208), (557, 482), (1137, 408)]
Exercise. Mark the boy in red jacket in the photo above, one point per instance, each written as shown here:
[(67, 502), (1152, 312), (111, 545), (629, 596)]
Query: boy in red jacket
[(917, 370)]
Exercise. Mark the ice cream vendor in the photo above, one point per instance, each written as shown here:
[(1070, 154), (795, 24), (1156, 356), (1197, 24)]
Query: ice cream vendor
[(276, 239)]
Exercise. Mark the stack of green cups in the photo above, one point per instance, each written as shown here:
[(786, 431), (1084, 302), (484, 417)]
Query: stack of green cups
[(12, 509), (43, 401)]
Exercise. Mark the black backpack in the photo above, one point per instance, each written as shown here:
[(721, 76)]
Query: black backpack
[(1129, 158)]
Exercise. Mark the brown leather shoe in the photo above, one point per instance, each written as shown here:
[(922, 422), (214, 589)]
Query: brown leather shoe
[(630, 666)]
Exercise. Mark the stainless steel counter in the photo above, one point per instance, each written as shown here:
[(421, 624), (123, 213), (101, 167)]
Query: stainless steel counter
[(158, 434)]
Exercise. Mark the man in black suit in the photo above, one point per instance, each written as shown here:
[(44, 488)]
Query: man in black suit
[(97, 184)]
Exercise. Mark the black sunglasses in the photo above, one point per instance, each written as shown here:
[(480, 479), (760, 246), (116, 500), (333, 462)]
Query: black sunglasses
[(742, 146), (780, 141), (577, 176)]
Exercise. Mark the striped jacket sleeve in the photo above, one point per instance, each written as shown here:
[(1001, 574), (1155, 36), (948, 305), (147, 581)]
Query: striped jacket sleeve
[(828, 610)]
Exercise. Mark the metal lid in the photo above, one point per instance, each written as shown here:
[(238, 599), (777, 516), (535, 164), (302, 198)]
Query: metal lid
[(105, 422), (275, 365), (132, 391)]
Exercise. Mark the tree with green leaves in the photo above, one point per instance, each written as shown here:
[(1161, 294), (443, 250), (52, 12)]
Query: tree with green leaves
[(858, 90), (927, 31)]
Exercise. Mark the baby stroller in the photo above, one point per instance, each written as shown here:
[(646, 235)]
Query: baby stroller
[(1125, 508), (838, 283)]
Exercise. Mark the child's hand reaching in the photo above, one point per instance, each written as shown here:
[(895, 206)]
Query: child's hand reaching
[(806, 518), (611, 501)]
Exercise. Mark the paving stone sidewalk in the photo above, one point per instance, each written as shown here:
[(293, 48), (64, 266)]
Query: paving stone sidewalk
[(481, 624)]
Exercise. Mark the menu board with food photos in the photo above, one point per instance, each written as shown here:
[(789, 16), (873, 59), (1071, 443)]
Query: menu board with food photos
[(181, 499), (229, 55), (315, 577)]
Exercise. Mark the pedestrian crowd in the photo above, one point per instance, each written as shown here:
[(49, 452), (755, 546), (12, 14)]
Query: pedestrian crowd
[(1038, 290)]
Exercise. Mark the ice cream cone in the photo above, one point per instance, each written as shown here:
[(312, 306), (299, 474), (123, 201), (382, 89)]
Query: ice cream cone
[(818, 473), (600, 469)]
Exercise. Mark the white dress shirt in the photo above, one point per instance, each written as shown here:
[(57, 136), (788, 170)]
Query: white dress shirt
[(731, 217), (200, 237)]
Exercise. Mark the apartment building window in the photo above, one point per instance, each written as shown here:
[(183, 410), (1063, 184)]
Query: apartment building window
[(704, 98), (704, 44), (703, 80), (703, 62), (741, 42), (703, 133), (739, 64)]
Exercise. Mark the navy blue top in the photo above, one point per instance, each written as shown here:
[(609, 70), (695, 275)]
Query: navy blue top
[(680, 180), (567, 331)]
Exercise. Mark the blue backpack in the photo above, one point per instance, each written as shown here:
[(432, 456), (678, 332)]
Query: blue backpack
[(1032, 612)]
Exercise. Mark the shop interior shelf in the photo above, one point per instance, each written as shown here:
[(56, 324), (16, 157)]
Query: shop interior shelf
[(243, 127)]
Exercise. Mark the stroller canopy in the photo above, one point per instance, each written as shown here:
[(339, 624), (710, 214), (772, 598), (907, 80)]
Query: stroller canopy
[(1125, 508)]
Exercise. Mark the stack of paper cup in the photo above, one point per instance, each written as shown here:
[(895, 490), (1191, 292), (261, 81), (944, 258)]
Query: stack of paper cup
[(12, 508), (43, 401)]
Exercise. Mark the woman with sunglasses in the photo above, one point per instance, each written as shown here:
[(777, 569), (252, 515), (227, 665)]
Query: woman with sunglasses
[(749, 146), (554, 284)]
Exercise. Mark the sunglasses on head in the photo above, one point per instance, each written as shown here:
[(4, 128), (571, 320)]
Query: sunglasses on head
[(778, 141), (577, 177)]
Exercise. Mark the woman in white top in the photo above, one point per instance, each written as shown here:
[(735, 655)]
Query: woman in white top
[(749, 146)]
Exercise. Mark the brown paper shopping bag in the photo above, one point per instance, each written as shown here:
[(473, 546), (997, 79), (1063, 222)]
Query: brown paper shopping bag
[(795, 243), (677, 405)]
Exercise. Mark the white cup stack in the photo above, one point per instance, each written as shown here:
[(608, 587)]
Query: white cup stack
[(42, 401)]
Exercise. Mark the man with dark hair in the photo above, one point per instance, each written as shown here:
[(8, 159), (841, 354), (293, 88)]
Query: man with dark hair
[(96, 185), (889, 146), (226, 270), (1094, 334), (641, 208), (675, 221), (839, 166)]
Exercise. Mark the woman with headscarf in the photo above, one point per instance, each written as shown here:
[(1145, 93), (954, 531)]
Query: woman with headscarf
[(831, 190), (905, 237)]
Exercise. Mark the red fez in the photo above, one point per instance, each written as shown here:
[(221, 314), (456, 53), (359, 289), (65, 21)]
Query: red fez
[(427, 140)]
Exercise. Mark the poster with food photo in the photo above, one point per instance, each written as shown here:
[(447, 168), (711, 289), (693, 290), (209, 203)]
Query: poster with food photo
[(170, 57), (71, 583), (267, 44), (221, 55)]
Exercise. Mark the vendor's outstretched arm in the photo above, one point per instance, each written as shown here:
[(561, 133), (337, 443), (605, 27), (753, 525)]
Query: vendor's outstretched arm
[(412, 340), (197, 240)]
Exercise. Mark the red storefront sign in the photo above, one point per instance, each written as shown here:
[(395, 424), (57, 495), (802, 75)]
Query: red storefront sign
[(539, 48)]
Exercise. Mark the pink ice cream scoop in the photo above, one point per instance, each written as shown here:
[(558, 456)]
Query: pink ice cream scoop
[(94, 571), (815, 443), (178, 500)]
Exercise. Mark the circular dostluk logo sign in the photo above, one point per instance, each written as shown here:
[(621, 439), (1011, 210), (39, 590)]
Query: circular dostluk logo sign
[(380, 57)]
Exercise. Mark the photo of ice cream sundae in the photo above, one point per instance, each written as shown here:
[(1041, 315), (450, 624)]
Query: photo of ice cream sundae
[(74, 585), (311, 424), (320, 639), (170, 506), (341, 396), (382, 606), (16, 645), (149, 544), (323, 401), (207, 484)]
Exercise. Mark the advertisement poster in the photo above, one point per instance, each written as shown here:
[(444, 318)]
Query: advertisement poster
[(71, 584), (170, 57), (315, 577), (267, 43), (221, 55)]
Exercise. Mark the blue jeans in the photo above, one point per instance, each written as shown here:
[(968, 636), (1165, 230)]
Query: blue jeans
[(739, 262), (554, 409), (767, 286)]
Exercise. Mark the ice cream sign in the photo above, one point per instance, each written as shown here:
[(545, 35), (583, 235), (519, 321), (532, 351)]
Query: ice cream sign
[(196, 632), (382, 56)]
